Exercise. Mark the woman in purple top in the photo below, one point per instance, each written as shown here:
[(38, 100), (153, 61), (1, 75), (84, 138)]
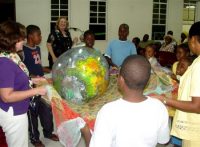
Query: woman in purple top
[(15, 85)]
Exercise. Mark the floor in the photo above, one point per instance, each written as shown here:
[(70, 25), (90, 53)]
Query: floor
[(49, 143)]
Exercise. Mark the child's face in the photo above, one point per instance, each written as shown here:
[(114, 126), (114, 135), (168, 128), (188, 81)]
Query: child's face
[(89, 40), (180, 53), (36, 38), (168, 40), (149, 52), (182, 67)]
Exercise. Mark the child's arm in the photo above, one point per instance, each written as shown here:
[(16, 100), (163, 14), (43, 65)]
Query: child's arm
[(110, 62), (186, 106), (46, 69)]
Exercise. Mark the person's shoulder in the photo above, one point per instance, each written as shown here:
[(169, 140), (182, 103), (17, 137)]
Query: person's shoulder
[(196, 63), (38, 47), (5, 62), (155, 102), (111, 105)]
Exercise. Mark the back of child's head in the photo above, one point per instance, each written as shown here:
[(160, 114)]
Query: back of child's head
[(30, 29), (135, 71), (170, 32), (195, 31), (88, 32)]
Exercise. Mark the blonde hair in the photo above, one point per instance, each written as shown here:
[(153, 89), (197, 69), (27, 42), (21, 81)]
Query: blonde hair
[(58, 21)]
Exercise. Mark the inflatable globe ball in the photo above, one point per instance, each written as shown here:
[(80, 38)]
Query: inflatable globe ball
[(80, 74)]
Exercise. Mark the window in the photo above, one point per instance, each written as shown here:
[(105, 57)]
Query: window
[(189, 8), (58, 8), (98, 18), (159, 19)]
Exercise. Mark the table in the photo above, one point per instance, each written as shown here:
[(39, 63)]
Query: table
[(71, 117)]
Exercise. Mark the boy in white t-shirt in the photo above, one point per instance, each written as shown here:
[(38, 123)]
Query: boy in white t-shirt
[(134, 120)]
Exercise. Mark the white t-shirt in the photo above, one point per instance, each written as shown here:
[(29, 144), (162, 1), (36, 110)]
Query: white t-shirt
[(125, 124)]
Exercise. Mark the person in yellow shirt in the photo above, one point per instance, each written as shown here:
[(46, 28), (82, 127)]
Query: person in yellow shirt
[(186, 123)]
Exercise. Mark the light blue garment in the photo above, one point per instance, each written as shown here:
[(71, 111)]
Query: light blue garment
[(118, 50), (98, 50)]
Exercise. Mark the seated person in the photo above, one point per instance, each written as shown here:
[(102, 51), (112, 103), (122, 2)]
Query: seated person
[(119, 49), (134, 120), (150, 55), (182, 66), (145, 41), (136, 41), (182, 51), (168, 45)]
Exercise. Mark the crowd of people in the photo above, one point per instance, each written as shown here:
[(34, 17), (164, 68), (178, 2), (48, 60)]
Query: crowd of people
[(119, 123)]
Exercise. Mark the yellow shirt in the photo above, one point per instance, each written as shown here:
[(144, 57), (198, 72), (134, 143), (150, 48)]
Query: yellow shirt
[(187, 125), (174, 67)]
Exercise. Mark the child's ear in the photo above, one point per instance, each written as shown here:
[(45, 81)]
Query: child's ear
[(120, 81)]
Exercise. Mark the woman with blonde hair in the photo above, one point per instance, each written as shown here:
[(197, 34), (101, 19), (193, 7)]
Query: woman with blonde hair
[(59, 40)]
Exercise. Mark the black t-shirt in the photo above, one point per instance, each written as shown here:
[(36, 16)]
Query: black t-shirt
[(60, 44)]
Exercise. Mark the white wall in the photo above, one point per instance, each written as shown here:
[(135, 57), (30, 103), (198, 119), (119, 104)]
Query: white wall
[(35, 12), (174, 17), (136, 13), (197, 17)]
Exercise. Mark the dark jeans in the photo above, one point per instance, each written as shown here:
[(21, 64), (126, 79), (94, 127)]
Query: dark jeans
[(39, 108)]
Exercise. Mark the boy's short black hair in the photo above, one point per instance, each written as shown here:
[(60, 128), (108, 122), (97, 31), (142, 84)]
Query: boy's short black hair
[(30, 29), (88, 32), (195, 31), (170, 32), (136, 71), (125, 26), (184, 47)]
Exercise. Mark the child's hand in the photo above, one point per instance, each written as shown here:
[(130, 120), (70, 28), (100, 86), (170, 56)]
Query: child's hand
[(50, 80), (42, 90), (173, 76)]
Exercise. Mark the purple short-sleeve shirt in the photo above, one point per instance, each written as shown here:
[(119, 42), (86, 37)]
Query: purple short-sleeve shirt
[(11, 76)]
